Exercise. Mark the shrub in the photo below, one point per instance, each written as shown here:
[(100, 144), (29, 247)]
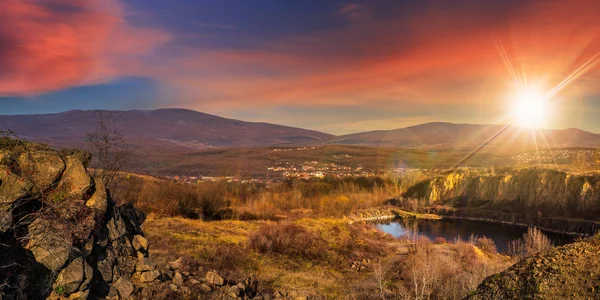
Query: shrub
[(533, 242), (287, 239), (440, 240), (486, 245)]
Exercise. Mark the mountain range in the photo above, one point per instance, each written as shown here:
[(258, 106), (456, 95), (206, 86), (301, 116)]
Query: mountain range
[(188, 130)]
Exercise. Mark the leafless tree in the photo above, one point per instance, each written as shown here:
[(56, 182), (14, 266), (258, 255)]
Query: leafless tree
[(109, 152)]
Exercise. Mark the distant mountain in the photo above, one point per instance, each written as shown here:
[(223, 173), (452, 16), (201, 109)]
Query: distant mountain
[(440, 136), (182, 131), (160, 129)]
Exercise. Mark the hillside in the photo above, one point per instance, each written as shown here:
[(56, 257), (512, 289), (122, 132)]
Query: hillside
[(162, 128), (542, 197), (466, 136), (566, 272)]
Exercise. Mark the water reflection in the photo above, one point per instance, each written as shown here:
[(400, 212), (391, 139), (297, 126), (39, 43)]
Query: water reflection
[(462, 229)]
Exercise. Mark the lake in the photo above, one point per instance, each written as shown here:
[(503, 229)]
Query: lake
[(451, 229)]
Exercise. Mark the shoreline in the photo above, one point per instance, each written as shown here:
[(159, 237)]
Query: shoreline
[(393, 214)]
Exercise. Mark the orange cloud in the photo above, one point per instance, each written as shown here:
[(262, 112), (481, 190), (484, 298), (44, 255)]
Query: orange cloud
[(47, 45), (436, 55)]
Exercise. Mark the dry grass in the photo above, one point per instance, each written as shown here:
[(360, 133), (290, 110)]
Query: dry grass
[(238, 249)]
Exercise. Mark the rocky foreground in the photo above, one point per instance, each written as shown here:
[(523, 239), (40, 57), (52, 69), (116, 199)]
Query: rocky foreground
[(567, 272), (63, 237)]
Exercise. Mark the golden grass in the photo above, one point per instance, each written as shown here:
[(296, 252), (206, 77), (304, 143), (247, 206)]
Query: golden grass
[(200, 241)]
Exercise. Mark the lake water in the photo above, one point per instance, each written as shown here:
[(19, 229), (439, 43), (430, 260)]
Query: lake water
[(450, 229)]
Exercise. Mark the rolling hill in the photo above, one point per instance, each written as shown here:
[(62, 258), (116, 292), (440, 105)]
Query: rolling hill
[(179, 141), (438, 136), (162, 128)]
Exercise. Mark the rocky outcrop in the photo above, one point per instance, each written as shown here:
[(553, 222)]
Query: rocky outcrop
[(61, 235), (542, 197), (566, 272)]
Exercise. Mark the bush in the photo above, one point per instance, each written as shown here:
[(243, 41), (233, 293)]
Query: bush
[(287, 239), (440, 240), (486, 245), (533, 242)]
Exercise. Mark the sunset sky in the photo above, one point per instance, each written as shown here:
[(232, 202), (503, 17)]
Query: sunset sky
[(334, 66)]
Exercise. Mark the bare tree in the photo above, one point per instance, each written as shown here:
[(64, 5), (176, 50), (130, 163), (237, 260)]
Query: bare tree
[(109, 153)]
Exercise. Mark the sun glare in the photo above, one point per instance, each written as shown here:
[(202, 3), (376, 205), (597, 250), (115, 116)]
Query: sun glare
[(530, 108)]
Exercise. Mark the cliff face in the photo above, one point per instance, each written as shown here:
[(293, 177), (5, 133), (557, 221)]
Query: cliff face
[(567, 272), (527, 195), (60, 233)]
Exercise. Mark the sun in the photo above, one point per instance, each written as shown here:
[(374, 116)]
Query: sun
[(530, 108)]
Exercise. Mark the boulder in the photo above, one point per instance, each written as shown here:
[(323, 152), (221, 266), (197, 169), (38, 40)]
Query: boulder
[(124, 287), (149, 276), (176, 264), (140, 243), (178, 279), (99, 200), (49, 244), (145, 264), (105, 267), (71, 277), (12, 187), (75, 178), (43, 167), (214, 278)]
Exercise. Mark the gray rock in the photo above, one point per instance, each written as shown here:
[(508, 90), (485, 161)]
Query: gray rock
[(50, 247), (105, 267), (71, 277), (124, 287)]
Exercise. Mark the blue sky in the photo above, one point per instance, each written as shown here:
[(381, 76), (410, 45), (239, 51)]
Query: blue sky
[(334, 66)]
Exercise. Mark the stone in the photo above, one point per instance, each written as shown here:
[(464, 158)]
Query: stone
[(176, 264), (116, 228), (88, 273), (178, 279), (49, 244), (173, 287), (145, 264), (71, 277), (214, 278), (80, 295), (99, 200), (149, 276), (139, 243), (6, 221), (12, 187), (206, 288), (45, 167), (124, 287), (105, 267), (75, 178), (234, 291), (193, 281)]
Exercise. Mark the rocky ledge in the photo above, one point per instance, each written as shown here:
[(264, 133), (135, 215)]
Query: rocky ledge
[(61, 235)]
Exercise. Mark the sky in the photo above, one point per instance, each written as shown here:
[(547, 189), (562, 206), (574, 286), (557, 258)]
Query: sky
[(333, 66)]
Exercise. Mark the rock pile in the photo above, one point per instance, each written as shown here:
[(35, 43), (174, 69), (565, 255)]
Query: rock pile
[(61, 235), (211, 283)]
